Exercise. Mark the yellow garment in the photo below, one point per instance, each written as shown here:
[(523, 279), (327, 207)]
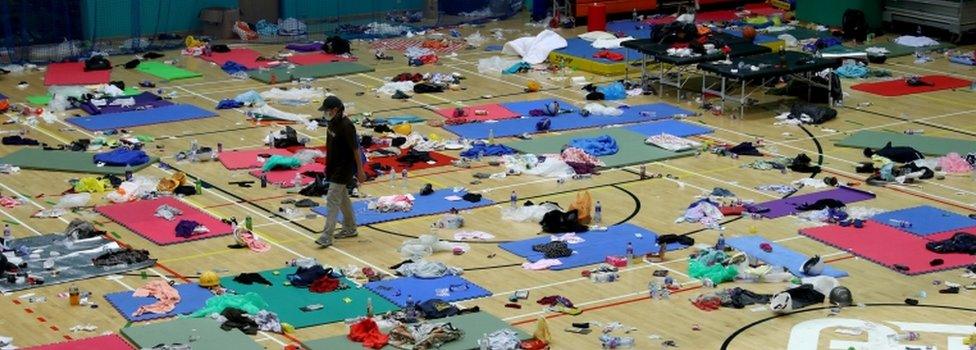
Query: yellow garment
[(542, 330), (433, 137), (92, 185), (192, 42), (582, 204), (533, 86), (168, 185), (403, 129), (880, 161)]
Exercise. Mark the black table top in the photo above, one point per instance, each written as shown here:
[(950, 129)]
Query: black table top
[(739, 48), (771, 65)]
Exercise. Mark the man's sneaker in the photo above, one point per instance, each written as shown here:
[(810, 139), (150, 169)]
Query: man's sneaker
[(346, 234), (324, 242)]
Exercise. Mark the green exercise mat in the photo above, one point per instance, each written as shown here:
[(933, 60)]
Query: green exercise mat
[(632, 151), (285, 300), (39, 100), (894, 50), (67, 161), (474, 326), (206, 332), (283, 74), (165, 71), (928, 145)]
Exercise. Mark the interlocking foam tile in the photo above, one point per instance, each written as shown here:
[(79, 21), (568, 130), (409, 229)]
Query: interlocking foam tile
[(400, 290), (139, 217), (104, 342), (925, 220)]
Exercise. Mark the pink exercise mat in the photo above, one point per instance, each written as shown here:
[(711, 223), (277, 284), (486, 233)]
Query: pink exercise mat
[(492, 111), (248, 158), (287, 176), (73, 73), (888, 246), (245, 57), (318, 58), (139, 217), (104, 342)]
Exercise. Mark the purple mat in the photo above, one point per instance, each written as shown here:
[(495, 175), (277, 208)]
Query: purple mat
[(144, 100), (305, 47), (784, 207)]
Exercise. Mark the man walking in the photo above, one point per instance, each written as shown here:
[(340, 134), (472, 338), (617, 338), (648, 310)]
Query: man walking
[(343, 163)]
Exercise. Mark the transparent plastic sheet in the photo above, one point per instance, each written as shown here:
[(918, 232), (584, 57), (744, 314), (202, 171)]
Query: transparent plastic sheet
[(392, 87), (308, 155), (426, 245), (307, 94), (601, 110), (74, 200), (140, 186), (495, 65), (527, 213)]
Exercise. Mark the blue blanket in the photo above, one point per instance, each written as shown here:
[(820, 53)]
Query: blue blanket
[(597, 146)]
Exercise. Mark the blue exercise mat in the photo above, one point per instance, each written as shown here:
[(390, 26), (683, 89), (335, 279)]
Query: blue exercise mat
[(925, 220), (780, 256), (596, 247), (192, 298), (674, 127), (584, 49), (422, 205), (636, 29), (569, 121), (398, 290), (167, 114), (524, 107)]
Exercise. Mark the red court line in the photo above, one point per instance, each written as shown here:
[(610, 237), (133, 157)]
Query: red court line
[(604, 306), (172, 272)]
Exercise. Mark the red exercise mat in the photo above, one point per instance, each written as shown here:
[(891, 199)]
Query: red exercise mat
[(888, 246), (245, 57), (248, 158), (105, 342), (318, 58), (899, 87), (494, 112), (73, 73), (287, 176), (139, 217)]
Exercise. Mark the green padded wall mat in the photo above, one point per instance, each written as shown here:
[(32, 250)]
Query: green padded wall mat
[(474, 325), (285, 300), (801, 33), (67, 161), (632, 148), (166, 71), (207, 332), (928, 145), (314, 71), (831, 12), (44, 99)]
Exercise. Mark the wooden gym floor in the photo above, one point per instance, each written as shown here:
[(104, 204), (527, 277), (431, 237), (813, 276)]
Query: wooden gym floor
[(653, 204)]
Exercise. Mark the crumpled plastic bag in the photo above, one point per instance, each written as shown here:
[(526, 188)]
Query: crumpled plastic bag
[(495, 64), (601, 110), (425, 245), (614, 91), (128, 191), (73, 200), (306, 156), (476, 39)]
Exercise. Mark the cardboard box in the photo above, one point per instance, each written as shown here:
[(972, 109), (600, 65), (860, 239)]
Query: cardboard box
[(218, 22), (253, 11)]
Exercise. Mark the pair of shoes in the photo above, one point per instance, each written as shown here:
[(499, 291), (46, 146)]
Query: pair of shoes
[(324, 242), (345, 234)]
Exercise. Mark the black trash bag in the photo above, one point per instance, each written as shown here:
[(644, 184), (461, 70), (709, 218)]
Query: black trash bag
[(557, 221), (336, 45), (97, 63), (815, 114)]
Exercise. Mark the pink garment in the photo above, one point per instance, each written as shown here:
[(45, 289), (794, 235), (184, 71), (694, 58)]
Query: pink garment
[(399, 202), (953, 163), (577, 155), (8, 202), (159, 289), (542, 264), (254, 244)]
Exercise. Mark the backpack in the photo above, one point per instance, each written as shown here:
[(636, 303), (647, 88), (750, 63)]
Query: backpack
[(336, 45), (855, 25)]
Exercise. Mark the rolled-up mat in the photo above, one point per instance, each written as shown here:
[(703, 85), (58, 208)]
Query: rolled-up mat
[(401, 290), (73, 73), (889, 247), (192, 298), (67, 161), (207, 335), (898, 87), (102, 342), (596, 246), (474, 326), (285, 300), (779, 256), (924, 220), (166, 71), (318, 58), (315, 71), (159, 115), (434, 203), (788, 206), (928, 145), (139, 217)]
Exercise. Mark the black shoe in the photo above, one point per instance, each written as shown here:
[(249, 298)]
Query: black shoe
[(427, 190)]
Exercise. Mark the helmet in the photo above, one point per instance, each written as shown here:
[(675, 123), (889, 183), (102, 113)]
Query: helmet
[(209, 279), (781, 303), (841, 296), (813, 266)]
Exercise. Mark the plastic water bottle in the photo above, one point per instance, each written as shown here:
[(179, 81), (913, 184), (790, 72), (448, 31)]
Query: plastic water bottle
[(7, 234), (403, 178), (248, 223), (513, 199), (264, 180), (128, 172), (630, 251), (297, 181), (392, 178), (720, 243), (633, 14), (598, 213), (199, 186), (491, 136)]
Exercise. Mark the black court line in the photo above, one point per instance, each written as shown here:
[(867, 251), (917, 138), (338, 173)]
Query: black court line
[(911, 121)]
